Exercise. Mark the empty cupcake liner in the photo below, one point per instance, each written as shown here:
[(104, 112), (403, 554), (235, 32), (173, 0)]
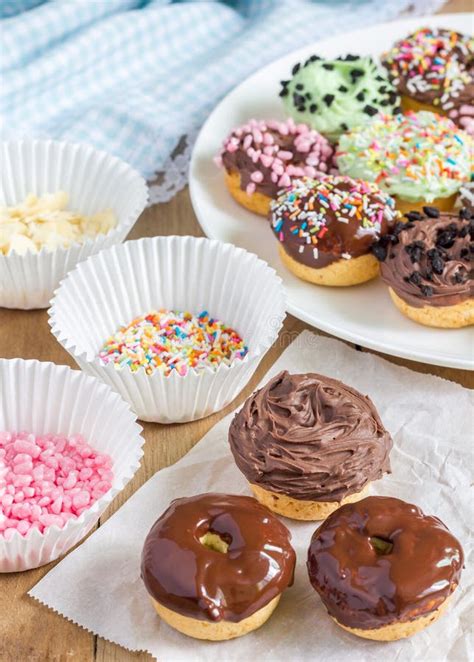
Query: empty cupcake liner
[(176, 273), (45, 398), (93, 180)]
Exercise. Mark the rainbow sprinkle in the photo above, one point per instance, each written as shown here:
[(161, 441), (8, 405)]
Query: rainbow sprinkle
[(308, 208), (417, 154), (432, 62), (170, 341)]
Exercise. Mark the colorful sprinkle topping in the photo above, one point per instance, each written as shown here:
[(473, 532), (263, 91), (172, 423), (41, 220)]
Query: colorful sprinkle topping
[(170, 341), (416, 156), (278, 150), (432, 61), (309, 207)]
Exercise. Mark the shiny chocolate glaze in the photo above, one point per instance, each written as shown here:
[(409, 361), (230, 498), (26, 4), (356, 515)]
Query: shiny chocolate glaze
[(314, 220), (362, 588), (310, 437), (184, 575), (427, 260)]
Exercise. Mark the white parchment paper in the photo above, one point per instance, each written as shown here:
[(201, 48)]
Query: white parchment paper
[(431, 420)]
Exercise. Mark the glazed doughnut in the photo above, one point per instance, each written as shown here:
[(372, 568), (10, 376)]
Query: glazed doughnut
[(333, 96), (307, 443), (382, 568), (326, 228), (426, 265), (215, 565), (433, 70), (261, 157), (418, 158)]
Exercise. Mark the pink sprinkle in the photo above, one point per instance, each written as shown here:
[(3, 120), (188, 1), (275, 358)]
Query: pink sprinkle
[(257, 176), (250, 188), (266, 160), (46, 480)]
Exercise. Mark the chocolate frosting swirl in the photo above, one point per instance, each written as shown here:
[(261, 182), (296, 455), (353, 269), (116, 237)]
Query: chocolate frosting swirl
[(427, 260), (183, 574), (309, 437), (365, 587)]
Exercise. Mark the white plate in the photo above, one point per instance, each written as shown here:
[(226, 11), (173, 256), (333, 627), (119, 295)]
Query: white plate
[(362, 314)]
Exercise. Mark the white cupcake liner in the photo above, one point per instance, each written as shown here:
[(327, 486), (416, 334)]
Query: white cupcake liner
[(93, 180), (45, 398), (181, 274)]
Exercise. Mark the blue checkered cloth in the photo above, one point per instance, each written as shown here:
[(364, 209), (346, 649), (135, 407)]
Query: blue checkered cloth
[(133, 76)]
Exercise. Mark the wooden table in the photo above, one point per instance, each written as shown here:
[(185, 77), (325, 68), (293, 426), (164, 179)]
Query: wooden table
[(31, 632)]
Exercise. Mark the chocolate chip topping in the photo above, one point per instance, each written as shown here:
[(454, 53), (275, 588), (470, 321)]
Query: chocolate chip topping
[(382, 561), (310, 437), (429, 263)]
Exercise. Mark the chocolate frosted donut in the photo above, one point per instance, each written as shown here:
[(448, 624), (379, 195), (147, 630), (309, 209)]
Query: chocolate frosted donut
[(426, 264), (325, 225), (433, 67), (382, 568), (309, 438), (220, 559), (263, 156)]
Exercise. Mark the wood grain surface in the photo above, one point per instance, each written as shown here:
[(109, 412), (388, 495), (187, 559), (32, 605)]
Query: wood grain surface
[(31, 632)]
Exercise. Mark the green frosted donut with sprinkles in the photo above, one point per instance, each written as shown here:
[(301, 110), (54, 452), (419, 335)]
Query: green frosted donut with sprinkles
[(333, 96), (414, 157)]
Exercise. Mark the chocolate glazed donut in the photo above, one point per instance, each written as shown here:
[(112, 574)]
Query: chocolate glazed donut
[(310, 437), (382, 561), (227, 576)]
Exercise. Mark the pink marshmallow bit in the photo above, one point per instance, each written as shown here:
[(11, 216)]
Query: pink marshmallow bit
[(266, 160), (257, 176), (247, 141), (46, 480), (284, 180)]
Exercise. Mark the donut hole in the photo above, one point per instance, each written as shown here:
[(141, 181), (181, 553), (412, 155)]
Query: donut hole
[(215, 542), (382, 546)]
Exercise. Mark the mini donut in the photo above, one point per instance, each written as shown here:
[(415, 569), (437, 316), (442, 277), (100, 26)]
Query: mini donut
[(418, 158), (383, 569), (307, 443), (426, 265), (432, 69), (333, 96), (261, 157), (326, 228), (215, 565)]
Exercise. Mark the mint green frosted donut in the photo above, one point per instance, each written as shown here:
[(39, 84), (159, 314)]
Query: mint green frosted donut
[(415, 157), (333, 96)]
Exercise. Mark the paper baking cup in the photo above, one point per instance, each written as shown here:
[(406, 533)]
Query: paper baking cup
[(45, 398), (93, 180), (176, 273)]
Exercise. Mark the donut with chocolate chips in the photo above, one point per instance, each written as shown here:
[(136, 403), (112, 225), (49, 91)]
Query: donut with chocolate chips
[(383, 569), (426, 263), (333, 96), (262, 157)]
